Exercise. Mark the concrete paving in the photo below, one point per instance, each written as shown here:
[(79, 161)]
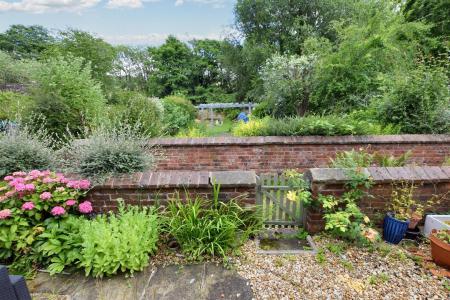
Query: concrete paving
[(199, 281)]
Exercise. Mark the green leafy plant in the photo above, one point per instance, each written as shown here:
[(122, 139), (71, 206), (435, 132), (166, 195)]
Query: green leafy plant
[(119, 242), (300, 188), (404, 205), (443, 235), (179, 113), (343, 217), (378, 279), (361, 158), (204, 227)]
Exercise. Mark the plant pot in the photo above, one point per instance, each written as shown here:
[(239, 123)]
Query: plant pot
[(412, 234), (440, 251), (394, 230)]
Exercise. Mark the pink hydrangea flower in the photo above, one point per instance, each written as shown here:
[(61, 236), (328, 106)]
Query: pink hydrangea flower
[(9, 194), (5, 213), (19, 173), (20, 187), (84, 184), (29, 187), (71, 202), (8, 178), (34, 173), (45, 195), (28, 206), (3, 198), (16, 181), (48, 180), (58, 211), (85, 207), (45, 173)]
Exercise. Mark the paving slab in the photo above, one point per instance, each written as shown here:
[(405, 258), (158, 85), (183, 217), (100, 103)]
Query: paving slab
[(198, 281)]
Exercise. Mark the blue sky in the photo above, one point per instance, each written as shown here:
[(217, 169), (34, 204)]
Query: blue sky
[(135, 22)]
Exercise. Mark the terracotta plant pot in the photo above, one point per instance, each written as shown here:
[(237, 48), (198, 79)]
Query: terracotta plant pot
[(440, 251)]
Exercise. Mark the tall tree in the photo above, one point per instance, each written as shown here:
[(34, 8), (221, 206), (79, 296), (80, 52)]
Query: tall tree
[(94, 50), (285, 24), (25, 42), (172, 68)]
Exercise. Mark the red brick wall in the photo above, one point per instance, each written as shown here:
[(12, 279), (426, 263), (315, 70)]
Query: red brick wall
[(429, 182), (273, 154)]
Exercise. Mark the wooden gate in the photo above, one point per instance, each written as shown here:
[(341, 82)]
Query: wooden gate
[(277, 210)]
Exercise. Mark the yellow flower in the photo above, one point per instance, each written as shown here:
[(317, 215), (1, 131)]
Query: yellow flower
[(366, 219), (292, 195)]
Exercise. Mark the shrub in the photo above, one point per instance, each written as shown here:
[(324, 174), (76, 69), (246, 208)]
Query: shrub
[(203, 227), (363, 159), (122, 242), (287, 84), (108, 151), (102, 246), (22, 150), (66, 92), (28, 200), (12, 105), (311, 125), (178, 113), (417, 101), (138, 110)]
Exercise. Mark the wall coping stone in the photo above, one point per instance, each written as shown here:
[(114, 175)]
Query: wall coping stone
[(233, 178), (382, 174), (179, 179), (305, 140)]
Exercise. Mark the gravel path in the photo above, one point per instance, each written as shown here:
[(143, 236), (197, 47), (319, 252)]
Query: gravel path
[(353, 273)]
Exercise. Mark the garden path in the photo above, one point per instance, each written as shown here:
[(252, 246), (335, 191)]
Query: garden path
[(199, 281)]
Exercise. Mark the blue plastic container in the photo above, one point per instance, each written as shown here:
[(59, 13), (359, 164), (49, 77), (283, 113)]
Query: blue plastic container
[(394, 230)]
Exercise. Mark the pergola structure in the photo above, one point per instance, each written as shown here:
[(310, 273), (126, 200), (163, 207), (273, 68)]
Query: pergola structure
[(211, 106)]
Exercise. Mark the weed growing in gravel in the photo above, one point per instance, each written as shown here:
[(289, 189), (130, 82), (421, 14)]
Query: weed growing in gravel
[(279, 262), (320, 257), (347, 265), (378, 279), (337, 248), (446, 284)]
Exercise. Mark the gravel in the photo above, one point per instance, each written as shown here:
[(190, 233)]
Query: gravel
[(389, 272)]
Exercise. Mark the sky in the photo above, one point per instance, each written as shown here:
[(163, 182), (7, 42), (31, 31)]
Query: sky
[(132, 22)]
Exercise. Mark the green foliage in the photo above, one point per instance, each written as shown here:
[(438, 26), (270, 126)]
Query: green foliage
[(287, 84), (137, 110), (107, 151), (25, 42), (94, 51), (59, 246), (343, 217), (179, 113), (67, 96), (16, 71), (300, 188), (443, 235), (22, 150), (203, 227), (349, 77), (378, 279), (119, 242), (12, 105), (364, 159), (417, 101), (310, 125), (205, 129)]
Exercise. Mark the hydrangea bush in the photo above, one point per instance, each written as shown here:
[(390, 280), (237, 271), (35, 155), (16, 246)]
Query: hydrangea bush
[(28, 200)]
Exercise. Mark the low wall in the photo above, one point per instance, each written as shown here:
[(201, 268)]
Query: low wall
[(274, 154), (430, 181), (156, 188)]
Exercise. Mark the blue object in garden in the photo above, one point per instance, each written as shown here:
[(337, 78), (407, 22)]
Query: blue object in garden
[(394, 230), (243, 117), (12, 287)]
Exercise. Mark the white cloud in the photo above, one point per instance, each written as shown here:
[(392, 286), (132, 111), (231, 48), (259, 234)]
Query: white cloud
[(41, 6), (127, 3), (214, 3), (156, 38)]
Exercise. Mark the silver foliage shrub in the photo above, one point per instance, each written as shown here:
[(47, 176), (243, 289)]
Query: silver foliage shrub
[(108, 151), (24, 150)]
